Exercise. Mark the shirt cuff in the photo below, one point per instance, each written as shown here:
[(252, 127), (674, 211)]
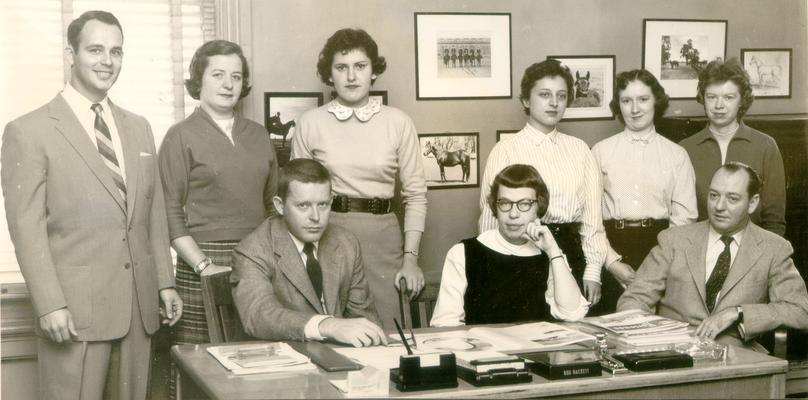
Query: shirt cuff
[(592, 273), (611, 257), (312, 329)]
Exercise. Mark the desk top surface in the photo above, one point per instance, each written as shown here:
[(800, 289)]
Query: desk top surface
[(219, 383)]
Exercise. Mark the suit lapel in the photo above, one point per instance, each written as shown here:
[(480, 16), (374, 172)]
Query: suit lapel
[(291, 264), (131, 158), (328, 252), (69, 126), (696, 255), (749, 252)]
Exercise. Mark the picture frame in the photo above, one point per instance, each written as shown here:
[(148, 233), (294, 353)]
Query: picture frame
[(593, 87), (676, 50), (450, 160), (281, 109), (769, 72), (503, 134), (462, 56), (381, 94)]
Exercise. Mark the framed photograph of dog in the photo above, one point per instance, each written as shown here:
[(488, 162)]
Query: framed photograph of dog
[(676, 50), (593, 86), (450, 159), (462, 56), (379, 94), (769, 72), (503, 134), (280, 111)]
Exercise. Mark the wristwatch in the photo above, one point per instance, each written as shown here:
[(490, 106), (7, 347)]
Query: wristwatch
[(413, 252), (740, 314), (200, 266)]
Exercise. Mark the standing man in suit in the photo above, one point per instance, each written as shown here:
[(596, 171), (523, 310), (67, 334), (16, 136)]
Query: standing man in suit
[(726, 94), (725, 272), (297, 278), (86, 214)]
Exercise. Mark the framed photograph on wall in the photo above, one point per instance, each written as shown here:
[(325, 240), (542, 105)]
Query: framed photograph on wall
[(593, 86), (503, 134), (380, 94), (280, 111), (676, 50), (450, 159), (462, 56), (769, 72)]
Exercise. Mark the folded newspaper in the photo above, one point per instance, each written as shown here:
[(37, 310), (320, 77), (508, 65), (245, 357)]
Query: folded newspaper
[(640, 328), (257, 358)]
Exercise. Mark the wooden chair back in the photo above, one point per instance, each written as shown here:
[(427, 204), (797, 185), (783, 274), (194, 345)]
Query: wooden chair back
[(417, 312), (224, 324)]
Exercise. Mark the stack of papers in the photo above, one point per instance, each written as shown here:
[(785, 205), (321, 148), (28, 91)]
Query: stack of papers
[(639, 328), (256, 358)]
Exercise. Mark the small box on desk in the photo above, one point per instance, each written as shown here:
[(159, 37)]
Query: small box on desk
[(425, 372), (655, 360), (493, 377), (564, 364)]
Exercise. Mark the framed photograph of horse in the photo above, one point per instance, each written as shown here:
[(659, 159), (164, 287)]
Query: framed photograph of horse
[(593, 86), (769, 72), (380, 94), (462, 56), (676, 50), (450, 159), (503, 134), (280, 111)]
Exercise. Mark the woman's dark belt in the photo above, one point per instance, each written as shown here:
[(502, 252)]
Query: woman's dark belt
[(374, 206), (635, 223)]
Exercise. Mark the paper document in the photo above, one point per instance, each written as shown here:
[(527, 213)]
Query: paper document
[(256, 358)]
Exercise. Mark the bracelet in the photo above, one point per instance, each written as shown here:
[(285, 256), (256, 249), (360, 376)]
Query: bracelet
[(558, 256), (200, 266)]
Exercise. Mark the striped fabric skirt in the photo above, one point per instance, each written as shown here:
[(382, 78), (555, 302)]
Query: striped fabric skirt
[(192, 328)]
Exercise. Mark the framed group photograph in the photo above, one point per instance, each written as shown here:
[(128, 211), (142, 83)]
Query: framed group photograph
[(462, 56), (676, 50), (503, 134), (280, 111), (450, 159), (380, 94), (593, 86), (769, 72)]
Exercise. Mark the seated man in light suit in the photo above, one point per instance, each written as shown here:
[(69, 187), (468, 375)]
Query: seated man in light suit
[(727, 276), (297, 278)]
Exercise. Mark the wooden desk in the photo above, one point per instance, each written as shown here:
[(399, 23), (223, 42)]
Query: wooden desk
[(747, 374)]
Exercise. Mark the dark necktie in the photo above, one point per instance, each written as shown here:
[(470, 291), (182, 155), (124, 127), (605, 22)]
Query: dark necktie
[(104, 140), (719, 274), (313, 269)]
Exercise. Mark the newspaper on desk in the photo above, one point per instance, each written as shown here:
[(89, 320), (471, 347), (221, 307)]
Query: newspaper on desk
[(640, 328), (257, 358)]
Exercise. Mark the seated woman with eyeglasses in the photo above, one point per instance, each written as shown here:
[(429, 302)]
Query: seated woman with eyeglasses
[(515, 272)]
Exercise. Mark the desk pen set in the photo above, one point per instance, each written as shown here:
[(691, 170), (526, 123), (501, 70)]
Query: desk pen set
[(423, 371)]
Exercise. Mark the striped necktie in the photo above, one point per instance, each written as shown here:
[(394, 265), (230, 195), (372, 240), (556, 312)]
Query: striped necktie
[(104, 140)]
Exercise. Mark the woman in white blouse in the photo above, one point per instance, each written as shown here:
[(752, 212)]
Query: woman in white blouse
[(515, 272), (366, 145)]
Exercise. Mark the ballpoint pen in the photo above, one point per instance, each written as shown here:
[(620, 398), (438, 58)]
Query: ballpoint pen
[(414, 343)]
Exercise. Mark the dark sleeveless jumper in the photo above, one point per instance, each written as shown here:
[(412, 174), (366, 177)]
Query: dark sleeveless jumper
[(504, 288)]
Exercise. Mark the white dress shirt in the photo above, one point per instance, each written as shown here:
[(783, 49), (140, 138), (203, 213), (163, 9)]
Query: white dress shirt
[(312, 329), (573, 180), (645, 177), (82, 108), (449, 309)]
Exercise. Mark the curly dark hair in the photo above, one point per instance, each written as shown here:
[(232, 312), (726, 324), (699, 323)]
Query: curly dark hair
[(520, 176), (661, 99), (730, 71), (543, 69), (343, 41), (200, 61)]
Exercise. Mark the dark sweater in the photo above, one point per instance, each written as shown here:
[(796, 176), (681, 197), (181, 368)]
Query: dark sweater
[(504, 288), (216, 190)]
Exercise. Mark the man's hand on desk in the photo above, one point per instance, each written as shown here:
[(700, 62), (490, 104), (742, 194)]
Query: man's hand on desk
[(713, 325), (58, 325), (358, 332)]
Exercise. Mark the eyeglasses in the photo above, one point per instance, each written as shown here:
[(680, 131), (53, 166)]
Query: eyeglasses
[(521, 205)]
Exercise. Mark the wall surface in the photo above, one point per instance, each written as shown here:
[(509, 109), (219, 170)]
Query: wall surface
[(288, 35)]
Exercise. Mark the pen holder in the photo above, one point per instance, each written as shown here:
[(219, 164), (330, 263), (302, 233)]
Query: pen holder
[(425, 372)]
